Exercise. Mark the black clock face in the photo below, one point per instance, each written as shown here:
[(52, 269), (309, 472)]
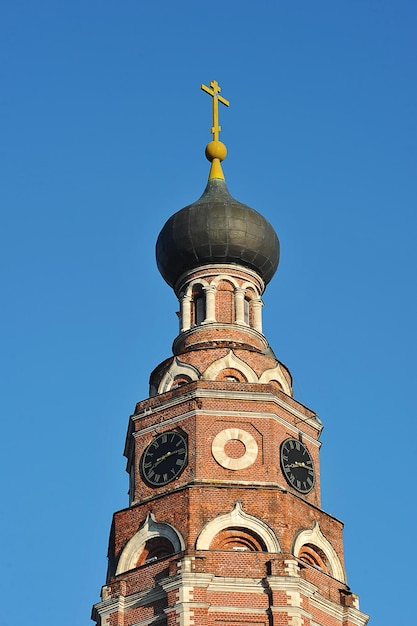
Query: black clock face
[(164, 459), (297, 465)]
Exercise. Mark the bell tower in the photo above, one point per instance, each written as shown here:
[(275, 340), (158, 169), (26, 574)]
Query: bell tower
[(224, 525)]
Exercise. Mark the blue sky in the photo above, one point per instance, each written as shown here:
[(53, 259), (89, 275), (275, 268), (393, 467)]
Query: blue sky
[(103, 129)]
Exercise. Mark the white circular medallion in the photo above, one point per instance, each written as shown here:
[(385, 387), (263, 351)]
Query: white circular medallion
[(229, 435)]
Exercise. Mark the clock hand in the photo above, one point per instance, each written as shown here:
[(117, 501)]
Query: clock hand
[(299, 464), (165, 456)]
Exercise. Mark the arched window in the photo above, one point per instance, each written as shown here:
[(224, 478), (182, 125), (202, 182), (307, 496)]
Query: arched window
[(238, 539), (313, 556), (246, 311), (155, 548), (199, 305), (180, 380)]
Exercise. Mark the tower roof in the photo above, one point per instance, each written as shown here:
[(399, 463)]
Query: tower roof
[(216, 229)]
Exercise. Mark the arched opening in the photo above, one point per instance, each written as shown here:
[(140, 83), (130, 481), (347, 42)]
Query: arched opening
[(239, 540), (313, 556), (246, 311), (155, 548), (231, 374), (248, 307), (198, 311), (276, 384), (180, 380), (312, 546)]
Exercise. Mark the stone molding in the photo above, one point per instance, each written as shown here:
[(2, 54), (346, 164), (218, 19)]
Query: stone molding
[(230, 361), (150, 528), (238, 518), (229, 434), (315, 537)]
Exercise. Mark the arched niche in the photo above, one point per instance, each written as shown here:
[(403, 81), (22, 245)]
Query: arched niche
[(177, 371), (230, 361), (225, 278), (313, 538), (260, 532), (146, 535), (275, 374)]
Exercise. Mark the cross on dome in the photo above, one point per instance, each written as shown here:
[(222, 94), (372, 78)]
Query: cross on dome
[(216, 150)]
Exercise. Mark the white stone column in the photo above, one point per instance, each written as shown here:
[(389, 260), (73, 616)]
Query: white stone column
[(210, 292), (185, 322), (257, 314), (240, 306)]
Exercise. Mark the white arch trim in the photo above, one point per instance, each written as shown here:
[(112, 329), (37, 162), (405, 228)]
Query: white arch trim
[(150, 528), (230, 361), (247, 285), (240, 519), (177, 368), (276, 374), (226, 277), (315, 537), (197, 281)]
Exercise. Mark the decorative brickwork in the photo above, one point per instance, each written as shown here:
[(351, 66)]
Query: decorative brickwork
[(219, 530)]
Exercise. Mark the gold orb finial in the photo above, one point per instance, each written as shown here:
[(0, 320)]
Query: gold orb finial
[(216, 150)]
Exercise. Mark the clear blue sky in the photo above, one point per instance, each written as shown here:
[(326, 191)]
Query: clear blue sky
[(103, 129)]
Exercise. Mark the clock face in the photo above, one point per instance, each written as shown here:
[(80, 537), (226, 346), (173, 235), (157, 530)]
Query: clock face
[(164, 459), (297, 465)]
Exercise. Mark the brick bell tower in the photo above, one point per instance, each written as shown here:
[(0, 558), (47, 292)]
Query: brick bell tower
[(224, 525)]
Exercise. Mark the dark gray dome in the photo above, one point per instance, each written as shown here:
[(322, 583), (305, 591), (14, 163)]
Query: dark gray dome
[(216, 229)]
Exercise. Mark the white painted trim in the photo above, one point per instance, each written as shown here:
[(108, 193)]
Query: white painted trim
[(315, 537), (150, 528), (238, 518), (229, 434), (177, 368), (230, 361), (276, 374), (209, 270), (235, 395), (232, 415)]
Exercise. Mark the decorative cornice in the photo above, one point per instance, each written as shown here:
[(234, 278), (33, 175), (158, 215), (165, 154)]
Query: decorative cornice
[(253, 396), (223, 268)]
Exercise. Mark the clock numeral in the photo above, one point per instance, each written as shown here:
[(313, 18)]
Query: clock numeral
[(164, 438), (165, 477)]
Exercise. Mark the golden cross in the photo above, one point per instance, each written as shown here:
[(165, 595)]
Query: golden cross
[(214, 93)]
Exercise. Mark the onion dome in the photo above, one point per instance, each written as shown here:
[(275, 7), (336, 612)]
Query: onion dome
[(216, 229)]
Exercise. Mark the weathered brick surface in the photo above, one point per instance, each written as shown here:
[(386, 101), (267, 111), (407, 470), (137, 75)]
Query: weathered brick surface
[(236, 581)]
